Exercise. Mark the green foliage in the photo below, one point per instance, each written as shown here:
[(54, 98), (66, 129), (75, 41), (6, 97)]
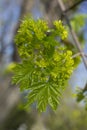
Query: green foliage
[(67, 117), (78, 22), (82, 96), (46, 65)]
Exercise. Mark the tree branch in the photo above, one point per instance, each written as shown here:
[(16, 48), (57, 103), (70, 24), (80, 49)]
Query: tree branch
[(74, 5), (62, 7), (79, 54)]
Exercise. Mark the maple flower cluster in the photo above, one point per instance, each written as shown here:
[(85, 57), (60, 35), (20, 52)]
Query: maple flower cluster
[(46, 65)]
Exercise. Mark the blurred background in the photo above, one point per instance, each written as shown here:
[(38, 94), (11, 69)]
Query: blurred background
[(70, 114)]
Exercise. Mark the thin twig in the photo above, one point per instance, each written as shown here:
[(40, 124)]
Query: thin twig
[(74, 36), (74, 5), (79, 54)]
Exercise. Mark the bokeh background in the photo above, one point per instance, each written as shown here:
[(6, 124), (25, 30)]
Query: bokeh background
[(70, 114)]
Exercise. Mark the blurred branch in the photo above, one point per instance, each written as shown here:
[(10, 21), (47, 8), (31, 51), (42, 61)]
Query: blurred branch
[(74, 5), (74, 36), (3, 45), (79, 54), (85, 88)]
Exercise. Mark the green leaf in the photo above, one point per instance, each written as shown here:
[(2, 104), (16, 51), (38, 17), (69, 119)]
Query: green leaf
[(46, 65)]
